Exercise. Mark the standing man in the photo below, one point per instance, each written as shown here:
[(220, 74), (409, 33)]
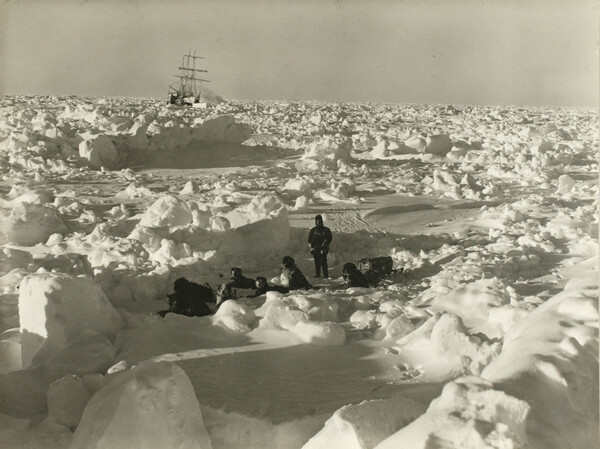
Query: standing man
[(319, 239)]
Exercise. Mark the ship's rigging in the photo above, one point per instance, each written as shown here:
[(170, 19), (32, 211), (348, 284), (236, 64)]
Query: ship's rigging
[(187, 90)]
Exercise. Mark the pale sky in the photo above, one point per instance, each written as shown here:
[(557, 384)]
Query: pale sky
[(540, 52)]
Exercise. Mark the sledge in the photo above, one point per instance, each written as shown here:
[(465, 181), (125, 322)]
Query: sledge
[(378, 268)]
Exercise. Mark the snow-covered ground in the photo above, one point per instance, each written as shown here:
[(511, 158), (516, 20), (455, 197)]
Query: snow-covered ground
[(489, 339)]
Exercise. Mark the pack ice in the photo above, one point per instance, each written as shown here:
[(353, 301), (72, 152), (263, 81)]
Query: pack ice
[(484, 336)]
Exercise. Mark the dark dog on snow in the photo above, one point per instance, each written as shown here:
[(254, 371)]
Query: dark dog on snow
[(353, 276)]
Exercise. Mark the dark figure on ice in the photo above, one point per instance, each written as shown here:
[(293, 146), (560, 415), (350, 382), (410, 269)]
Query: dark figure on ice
[(296, 279), (376, 269), (353, 276), (236, 280), (189, 299), (319, 239), (263, 287)]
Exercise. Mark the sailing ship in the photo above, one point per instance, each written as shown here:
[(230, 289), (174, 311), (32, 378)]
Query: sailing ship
[(186, 92)]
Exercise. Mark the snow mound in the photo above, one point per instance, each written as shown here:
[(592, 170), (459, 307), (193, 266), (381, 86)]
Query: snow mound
[(282, 313), (320, 334), (551, 357), (177, 232), (327, 148), (399, 327), (235, 317), (450, 339), (298, 185), (137, 138), (67, 398), (469, 414), (168, 132), (13, 433), (55, 308), (474, 302), (24, 393), (21, 195), (167, 211), (99, 151), (261, 207), (364, 425), (565, 184), (152, 406), (28, 224), (12, 259), (90, 353), (418, 143), (446, 183), (444, 338), (222, 128), (381, 149), (237, 431), (10, 351), (309, 318), (364, 319), (134, 191), (302, 202)]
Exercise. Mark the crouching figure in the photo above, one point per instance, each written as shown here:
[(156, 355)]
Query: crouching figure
[(296, 280), (190, 299), (237, 280), (353, 276), (263, 287)]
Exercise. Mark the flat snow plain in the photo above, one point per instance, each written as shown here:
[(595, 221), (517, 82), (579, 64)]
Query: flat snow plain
[(488, 339)]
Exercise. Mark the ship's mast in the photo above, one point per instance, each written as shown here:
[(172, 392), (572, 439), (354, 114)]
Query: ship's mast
[(187, 78), (183, 81), (194, 68)]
